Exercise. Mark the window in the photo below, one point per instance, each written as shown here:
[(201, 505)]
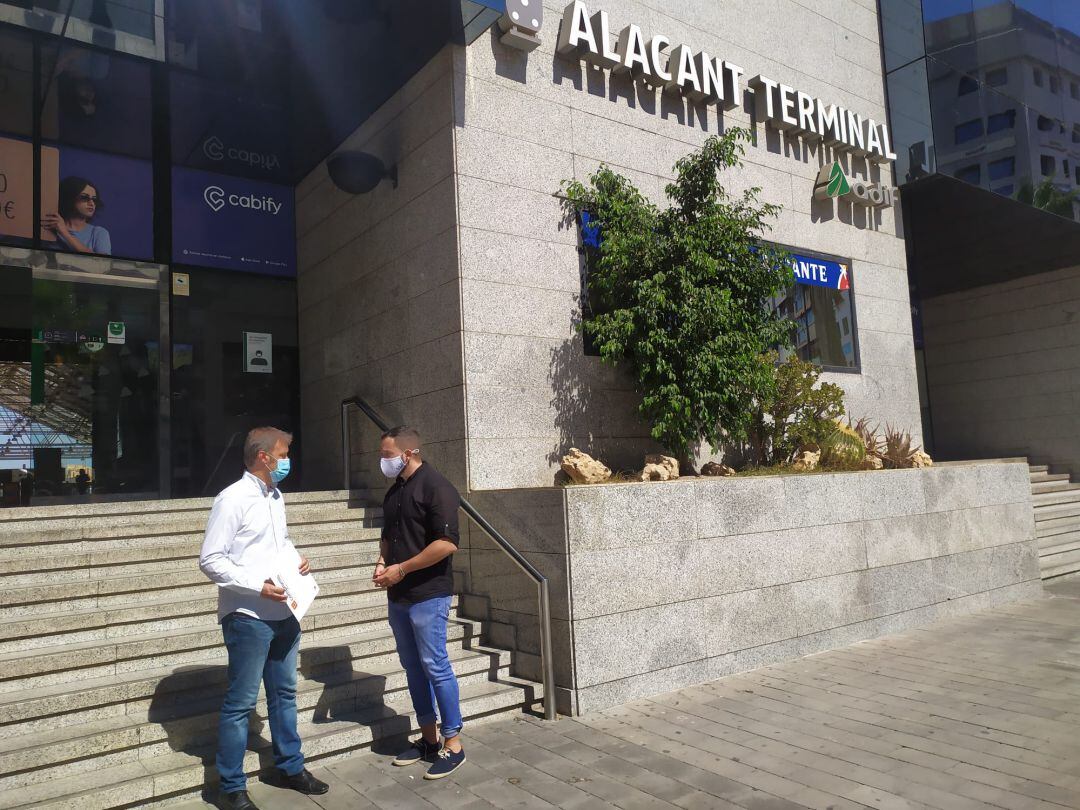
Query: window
[(1065, 167), (1055, 85), (1038, 75), (997, 77), (1049, 165), (1045, 124), (969, 130), (968, 85), (1001, 121), (1078, 175), (970, 174), (820, 304), (1074, 90), (1076, 134), (1000, 169), (1004, 191)]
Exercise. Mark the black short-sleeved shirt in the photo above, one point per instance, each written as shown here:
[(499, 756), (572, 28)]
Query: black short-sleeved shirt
[(416, 512)]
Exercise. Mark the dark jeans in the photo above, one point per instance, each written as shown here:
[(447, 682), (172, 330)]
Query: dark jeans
[(259, 651)]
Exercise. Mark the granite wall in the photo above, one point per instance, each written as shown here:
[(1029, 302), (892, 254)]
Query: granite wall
[(525, 123), (658, 586), (379, 291)]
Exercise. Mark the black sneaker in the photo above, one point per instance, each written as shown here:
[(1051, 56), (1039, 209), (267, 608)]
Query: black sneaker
[(418, 750), (446, 763)]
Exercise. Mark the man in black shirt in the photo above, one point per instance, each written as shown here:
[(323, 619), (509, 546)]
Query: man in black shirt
[(420, 533)]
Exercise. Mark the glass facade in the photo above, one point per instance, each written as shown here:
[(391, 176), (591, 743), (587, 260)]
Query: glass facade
[(980, 86)]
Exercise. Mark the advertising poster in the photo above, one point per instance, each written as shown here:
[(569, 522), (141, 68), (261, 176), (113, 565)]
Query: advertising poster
[(233, 223), (17, 186), (105, 202)]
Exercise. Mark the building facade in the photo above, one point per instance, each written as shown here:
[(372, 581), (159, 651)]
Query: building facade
[(438, 275)]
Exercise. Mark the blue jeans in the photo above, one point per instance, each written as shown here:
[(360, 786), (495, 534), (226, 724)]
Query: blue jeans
[(420, 633), (259, 651)]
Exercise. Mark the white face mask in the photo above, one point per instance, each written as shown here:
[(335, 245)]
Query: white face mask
[(392, 467)]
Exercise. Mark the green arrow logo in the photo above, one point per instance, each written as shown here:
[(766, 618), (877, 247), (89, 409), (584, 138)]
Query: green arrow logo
[(838, 182)]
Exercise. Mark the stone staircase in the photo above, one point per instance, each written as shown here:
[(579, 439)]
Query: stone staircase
[(1057, 521), (112, 666)]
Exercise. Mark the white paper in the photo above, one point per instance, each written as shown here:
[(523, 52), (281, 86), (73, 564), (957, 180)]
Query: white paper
[(300, 590)]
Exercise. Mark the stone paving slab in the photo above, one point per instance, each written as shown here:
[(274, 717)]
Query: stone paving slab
[(981, 711)]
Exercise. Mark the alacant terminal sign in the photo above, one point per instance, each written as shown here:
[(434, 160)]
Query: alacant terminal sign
[(702, 77)]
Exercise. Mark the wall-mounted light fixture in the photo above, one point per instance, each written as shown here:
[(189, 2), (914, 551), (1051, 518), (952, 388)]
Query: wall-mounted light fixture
[(359, 172), (521, 24)]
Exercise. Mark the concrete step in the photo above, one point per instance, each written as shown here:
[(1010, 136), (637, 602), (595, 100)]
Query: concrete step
[(107, 590), (62, 705), (161, 615), (1068, 542), (1042, 488), (1039, 468), (45, 533), (119, 592), (74, 663), (1045, 478), (184, 773), (1062, 496), (188, 719), (1060, 564), (1048, 528), (190, 539), (31, 569), (1057, 511)]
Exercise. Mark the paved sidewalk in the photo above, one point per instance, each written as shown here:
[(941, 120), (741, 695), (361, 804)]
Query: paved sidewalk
[(976, 712)]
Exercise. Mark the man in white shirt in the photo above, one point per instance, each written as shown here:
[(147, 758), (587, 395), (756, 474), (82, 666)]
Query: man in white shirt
[(247, 542)]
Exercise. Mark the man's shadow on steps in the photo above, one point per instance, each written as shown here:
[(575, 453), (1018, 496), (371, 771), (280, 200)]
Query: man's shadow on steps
[(354, 696), (186, 705)]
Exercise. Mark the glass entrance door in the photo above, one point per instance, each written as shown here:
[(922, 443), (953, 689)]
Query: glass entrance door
[(79, 382)]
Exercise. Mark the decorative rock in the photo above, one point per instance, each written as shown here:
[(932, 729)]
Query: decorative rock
[(712, 468), (806, 461), (921, 459), (660, 468), (872, 463), (583, 468)]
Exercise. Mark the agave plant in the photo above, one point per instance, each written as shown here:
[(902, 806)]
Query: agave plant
[(898, 454), (869, 436)]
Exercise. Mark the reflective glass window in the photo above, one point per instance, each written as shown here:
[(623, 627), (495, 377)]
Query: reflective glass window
[(1045, 124), (970, 174), (1074, 90), (969, 130), (16, 84), (1038, 76), (1048, 165), (1055, 84), (1000, 121), (1000, 169), (998, 77), (968, 85), (820, 304)]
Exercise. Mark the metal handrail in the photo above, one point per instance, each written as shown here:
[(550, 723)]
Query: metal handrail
[(542, 591)]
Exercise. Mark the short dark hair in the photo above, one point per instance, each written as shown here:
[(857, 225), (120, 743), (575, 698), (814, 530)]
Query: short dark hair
[(406, 434), (70, 189), (263, 440)]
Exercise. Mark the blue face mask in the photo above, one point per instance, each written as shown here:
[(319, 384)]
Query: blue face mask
[(283, 466)]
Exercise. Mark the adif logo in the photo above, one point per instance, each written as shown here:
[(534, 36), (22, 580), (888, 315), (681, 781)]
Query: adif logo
[(521, 24), (215, 149), (217, 198), (833, 183)]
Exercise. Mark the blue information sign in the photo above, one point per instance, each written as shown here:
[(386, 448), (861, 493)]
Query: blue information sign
[(820, 272)]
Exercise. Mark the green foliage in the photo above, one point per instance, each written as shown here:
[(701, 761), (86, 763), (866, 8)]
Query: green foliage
[(1049, 197), (796, 412), (679, 295)]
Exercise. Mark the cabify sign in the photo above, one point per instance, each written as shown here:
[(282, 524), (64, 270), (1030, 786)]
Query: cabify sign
[(702, 77)]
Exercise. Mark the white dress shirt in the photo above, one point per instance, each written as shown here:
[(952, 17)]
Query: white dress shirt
[(247, 541)]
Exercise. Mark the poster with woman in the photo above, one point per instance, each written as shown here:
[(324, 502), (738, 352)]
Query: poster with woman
[(103, 206)]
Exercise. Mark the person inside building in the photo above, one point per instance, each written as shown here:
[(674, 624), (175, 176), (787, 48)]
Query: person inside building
[(420, 533), (82, 482)]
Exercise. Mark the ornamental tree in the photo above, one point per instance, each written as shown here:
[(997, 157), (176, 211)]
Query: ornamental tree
[(680, 296)]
